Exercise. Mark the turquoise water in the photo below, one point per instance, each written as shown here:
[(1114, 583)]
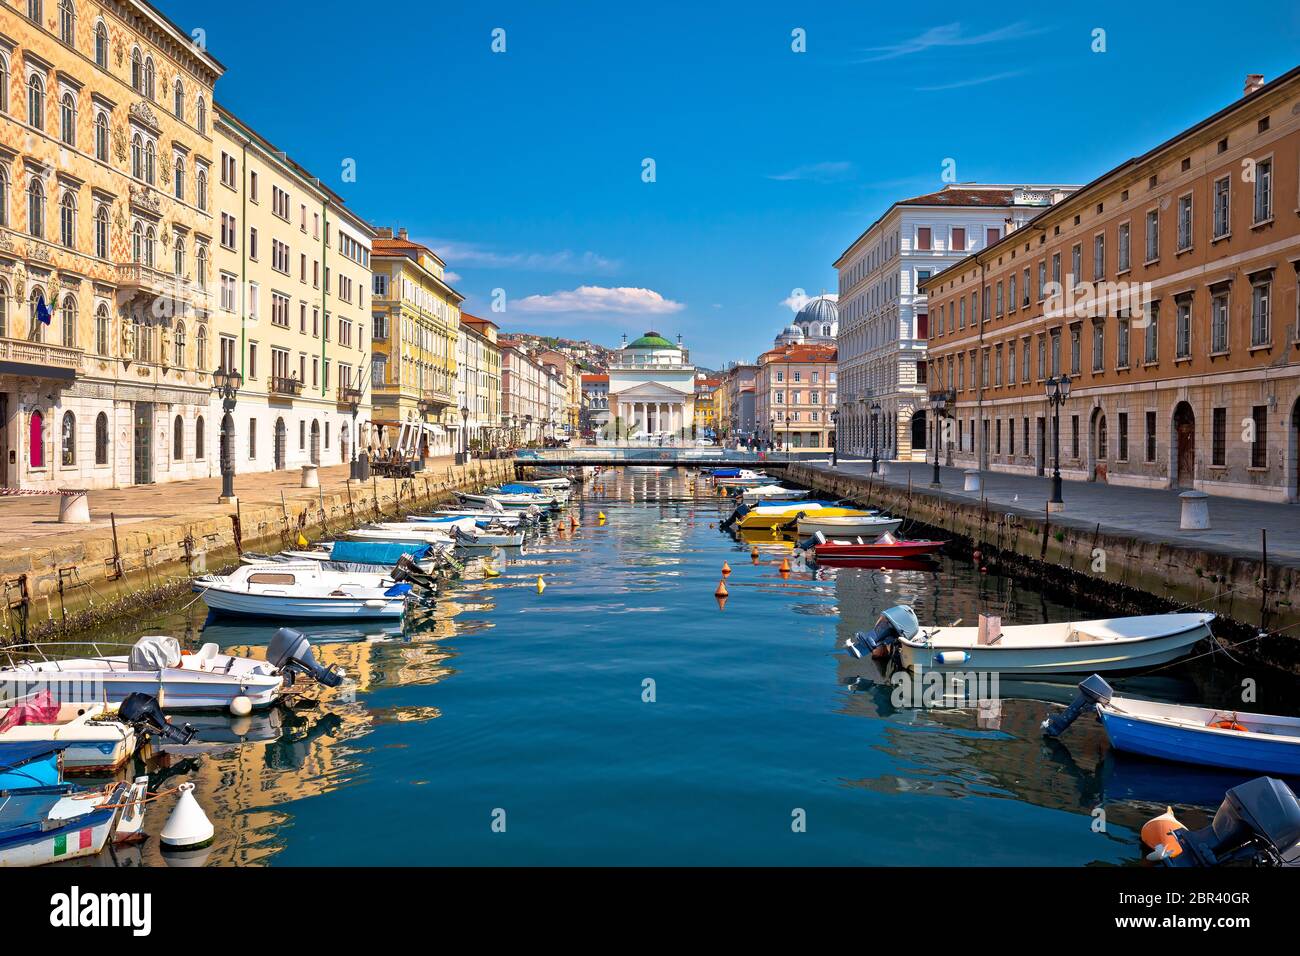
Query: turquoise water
[(622, 717)]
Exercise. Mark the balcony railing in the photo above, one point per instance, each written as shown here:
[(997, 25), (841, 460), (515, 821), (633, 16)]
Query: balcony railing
[(288, 386), (348, 395), (26, 352)]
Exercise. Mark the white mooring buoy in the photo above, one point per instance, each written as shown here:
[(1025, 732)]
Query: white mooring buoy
[(188, 827), (240, 706)]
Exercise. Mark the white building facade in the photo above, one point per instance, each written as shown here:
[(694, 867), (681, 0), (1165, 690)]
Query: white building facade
[(883, 318), (652, 389)]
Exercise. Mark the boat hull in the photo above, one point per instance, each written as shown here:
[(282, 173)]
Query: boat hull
[(1209, 747), (243, 604), (175, 688), (831, 552), (80, 836)]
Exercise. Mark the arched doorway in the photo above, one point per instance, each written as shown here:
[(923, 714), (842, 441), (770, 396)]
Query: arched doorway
[(1295, 451), (918, 431), (280, 442), (1184, 464), (1097, 445), (315, 442)]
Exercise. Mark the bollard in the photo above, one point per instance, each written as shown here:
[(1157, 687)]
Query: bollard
[(74, 508), (1196, 511), (883, 468), (310, 476), (972, 480)]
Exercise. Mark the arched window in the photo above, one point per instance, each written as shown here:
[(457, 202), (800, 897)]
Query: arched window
[(178, 170), (4, 311), (36, 208), (178, 439), (201, 267), (200, 115), (69, 321), (36, 101), (68, 220), (101, 231), (137, 156), (101, 439), (36, 441), (137, 71), (137, 243), (150, 162), (4, 83), (103, 330), (178, 341), (68, 120), (148, 77), (68, 442), (35, 326), (67, 21), (101, 137), (201, 188), (198, 437), (201, 349), (101, 45), (150, 243), (4, 193), (178, 99), (178, 257)]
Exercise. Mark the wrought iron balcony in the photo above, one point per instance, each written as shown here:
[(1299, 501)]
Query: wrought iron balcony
[(287, 386), (348, 395)]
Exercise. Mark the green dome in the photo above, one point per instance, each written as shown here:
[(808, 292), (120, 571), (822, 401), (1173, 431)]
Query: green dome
[(651, 340)]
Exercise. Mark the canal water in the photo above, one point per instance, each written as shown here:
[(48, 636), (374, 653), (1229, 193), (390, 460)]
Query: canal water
[(621, 716)]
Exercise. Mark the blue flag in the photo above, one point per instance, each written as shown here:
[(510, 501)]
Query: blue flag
[(42, 310)]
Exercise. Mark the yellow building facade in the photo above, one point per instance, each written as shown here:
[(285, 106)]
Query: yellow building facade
[(290, 305), (416, 320), (106, 221)]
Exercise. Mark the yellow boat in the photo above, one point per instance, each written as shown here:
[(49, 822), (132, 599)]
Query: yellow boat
[(782, 513)]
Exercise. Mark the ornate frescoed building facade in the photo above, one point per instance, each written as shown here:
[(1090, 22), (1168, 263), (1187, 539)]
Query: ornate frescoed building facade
[(106, 152)]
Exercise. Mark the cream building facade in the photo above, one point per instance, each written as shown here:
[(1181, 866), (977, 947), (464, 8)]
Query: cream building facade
[(478, 381), (106, 218), (652, 388), (292, 278)]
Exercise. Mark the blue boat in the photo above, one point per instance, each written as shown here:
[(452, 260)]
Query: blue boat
[(29, 764)]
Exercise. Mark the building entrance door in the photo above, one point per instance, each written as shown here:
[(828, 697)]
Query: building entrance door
[(143, 453), (4, 442), (1185, 445)]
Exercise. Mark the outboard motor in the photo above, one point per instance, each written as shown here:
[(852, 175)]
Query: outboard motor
[(809, 543), (142, 712), (898, 621), (1092, 691), (290, 652), (740, 512), (1258, 823)]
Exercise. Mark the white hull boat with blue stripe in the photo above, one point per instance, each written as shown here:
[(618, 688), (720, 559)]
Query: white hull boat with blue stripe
[(302, 590)]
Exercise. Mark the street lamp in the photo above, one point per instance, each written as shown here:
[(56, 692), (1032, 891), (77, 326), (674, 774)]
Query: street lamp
[(771, 431), (1058, 390), (226, 383), (463, 455), (835, 437), (875, 438), (939, 407)]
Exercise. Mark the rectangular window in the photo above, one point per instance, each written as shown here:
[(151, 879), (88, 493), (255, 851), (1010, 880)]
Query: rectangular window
[(1125, 247), (1153, 235), (1260, 331), (1184, 223), (227, 230), (1222, 206), (1263, 191), (1259, 447), (1011, 363), (923, 239), (252, 438), (1098, 346), (958, 239), (1076, 264), (1121, 345), (280, 310), (1056, 267), (1011, 436), (252, 360), (1151, 437), (1219, 437), (1183, 330), (1042, 280), (1074, 436), (1076, 348), (1153, 332), (1099, 257), (1219, 323), (1123, 436), (1024, 361), (992, 235)]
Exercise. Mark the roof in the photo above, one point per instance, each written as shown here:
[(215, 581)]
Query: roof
[(651, 340), (800, 353), (595, 379), (1085, 194)]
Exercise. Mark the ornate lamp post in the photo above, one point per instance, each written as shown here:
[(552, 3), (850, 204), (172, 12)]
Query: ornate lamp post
[(771, 431), (939, 408), (226, 383), (835, 437), (1058, 390), (875, 437), (463, 455)]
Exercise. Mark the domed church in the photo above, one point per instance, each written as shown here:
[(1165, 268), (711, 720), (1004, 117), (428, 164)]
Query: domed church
[(817, 323)]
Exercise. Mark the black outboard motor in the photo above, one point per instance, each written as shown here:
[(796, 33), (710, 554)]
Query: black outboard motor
[(898, 621), (290, 651), (142, 712), (740, 512), (1258, 823), (809, 544), (1092, 691)]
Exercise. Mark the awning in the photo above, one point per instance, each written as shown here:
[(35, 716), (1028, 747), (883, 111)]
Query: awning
[(38, 371)]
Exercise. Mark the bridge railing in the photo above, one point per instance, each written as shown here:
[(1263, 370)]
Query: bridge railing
[(588, 454)]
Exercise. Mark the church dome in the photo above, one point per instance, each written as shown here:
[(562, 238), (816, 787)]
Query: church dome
[(818, 312), (651, 340)]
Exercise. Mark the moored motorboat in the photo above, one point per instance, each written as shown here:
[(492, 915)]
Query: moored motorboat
[(885, 546), (488, 538), (863, 523), (1215, 737), (779, 514), (774, 493), (93, 740), (302, 590), (1110, 644)]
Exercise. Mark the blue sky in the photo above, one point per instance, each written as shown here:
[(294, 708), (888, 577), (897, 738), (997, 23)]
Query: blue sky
[(524, 168)]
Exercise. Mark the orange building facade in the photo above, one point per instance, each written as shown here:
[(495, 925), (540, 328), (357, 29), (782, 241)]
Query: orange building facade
[(1166, 292)]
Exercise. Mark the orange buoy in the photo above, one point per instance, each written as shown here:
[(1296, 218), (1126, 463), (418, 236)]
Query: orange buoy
[(721, 591), (754, 557), (726, 569), (722, 602), (1227, 725), (1158, 832), (785, 565)]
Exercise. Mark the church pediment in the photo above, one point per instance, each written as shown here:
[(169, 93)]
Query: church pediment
[(651, 391)]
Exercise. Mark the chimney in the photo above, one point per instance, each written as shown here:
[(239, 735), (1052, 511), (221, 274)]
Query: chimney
[(1253, 82), (383, 232), (401, 233)]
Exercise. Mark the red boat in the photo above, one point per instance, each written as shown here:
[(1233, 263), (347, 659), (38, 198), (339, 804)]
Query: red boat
[(886, 546)]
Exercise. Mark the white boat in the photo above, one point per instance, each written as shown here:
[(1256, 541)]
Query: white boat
[(848, 525), (774, 493), (154, 665), (510, 502), (413, 533), (1067, 647), (561, 484), (93, 740), (80, 824), (302, 589), (487, 538)]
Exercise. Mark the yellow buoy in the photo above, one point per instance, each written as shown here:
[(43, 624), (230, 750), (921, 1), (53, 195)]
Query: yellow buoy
[(541, 585), (600, 515), (490, 571)]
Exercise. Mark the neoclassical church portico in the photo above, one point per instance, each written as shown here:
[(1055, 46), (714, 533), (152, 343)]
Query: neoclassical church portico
[(651, 389)]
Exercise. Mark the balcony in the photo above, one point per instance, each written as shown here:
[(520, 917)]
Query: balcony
[(138, 277), (39, 359), (432, 401), (284, 386), (348, 395)]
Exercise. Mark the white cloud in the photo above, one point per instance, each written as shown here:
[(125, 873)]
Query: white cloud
[(450, 276), (797, 299), (594, 298), (817, 172), (949, 35), (973, 81), (474, 255)]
